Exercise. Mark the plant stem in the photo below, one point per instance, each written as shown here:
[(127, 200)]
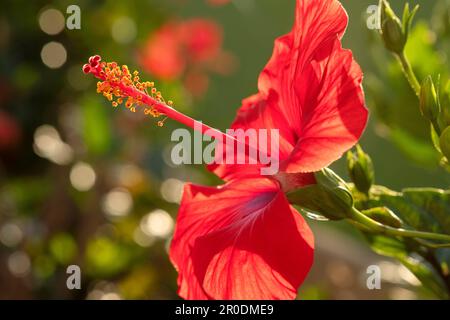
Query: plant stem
[(433, 245), (409, 73), (381, 228)]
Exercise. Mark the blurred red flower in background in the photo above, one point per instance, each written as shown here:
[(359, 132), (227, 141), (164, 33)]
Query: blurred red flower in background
[(218, 2), (162, 55), (186, 50), (243, 240), (10, 132), (201, 38)]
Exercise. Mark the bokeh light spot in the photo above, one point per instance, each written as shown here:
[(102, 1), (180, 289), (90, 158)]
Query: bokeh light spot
[(10, 235), (48, 144), (124, 30), (52, 21), (142, 239), (53, 55), (157, 223), (82, 176), (172, 190), (19, 264), (117, 203)]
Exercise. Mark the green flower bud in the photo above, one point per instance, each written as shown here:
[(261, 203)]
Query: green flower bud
[(330, 197), (383, 215), (335, 187), (392, 32), (429, 103), (444, 142), (360, 169)]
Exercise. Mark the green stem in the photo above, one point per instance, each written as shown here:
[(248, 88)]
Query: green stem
[(375, 226), (409, 73), (414, 83), (433, 245)]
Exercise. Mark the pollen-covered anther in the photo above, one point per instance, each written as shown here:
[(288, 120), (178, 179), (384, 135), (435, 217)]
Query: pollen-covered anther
[(118, 85), (129, 103)]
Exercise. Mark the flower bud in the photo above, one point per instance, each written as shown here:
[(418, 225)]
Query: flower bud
[(392, 32), (383, 215), (335, 186), (330, 197), (429, 103), (360, 169)]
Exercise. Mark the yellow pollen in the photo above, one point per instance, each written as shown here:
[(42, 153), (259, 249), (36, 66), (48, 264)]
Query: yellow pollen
[(116, 85)]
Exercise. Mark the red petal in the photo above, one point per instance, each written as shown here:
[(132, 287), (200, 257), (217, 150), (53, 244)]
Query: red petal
[(310, 90), (315, 22), (240, 241), (255, 113), (333, 110)]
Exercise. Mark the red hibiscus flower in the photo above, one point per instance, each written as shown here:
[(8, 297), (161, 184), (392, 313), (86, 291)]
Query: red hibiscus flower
[(184, 49), (162, 55), (243, 240), (201, 38)]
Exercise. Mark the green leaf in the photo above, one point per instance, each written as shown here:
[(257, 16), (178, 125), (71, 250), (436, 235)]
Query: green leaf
[(426, 274), (424, 209), (387, 246), (423, 270), (383, 215), (435, 202)]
